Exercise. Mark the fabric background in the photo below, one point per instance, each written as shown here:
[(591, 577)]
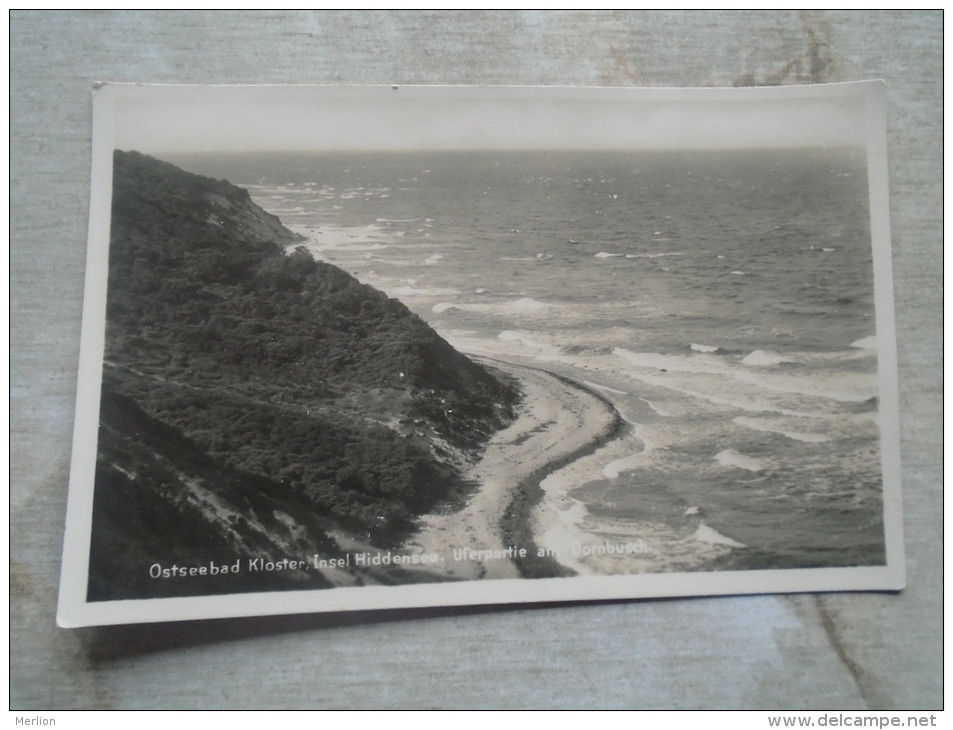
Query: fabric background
[(837, 651)]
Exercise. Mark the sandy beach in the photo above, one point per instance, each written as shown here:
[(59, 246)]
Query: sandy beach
[(555, 420)]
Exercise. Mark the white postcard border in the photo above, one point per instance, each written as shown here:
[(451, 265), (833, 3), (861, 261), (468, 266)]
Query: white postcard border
[(74, 610)]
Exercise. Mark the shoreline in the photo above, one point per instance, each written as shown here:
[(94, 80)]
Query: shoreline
[(558, 421), (517, 523)]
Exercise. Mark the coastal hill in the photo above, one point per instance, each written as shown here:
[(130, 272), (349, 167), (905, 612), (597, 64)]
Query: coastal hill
[(258, 403)]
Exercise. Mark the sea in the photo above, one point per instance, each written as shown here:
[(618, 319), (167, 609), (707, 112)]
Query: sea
[(723, 301)]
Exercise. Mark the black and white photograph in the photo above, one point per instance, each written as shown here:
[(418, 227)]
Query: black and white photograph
[(372, 347)]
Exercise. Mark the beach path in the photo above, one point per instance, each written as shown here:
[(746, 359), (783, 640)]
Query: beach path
[(554, 420)]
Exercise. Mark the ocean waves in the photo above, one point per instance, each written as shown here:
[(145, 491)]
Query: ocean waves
[(735, 333)]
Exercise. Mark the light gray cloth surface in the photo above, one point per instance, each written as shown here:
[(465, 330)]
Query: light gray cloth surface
[(876, 651)]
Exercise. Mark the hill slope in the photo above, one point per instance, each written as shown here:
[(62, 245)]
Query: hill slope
[(254, 401)]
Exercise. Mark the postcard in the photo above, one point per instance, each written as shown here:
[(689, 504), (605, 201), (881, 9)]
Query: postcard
[(352, 348)]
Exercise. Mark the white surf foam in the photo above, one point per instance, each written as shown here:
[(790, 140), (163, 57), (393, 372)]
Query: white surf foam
[(519, 337), (614, 468), (866, 343), (526, 304), (676, 363), (760, 424), (730, 457), (603, 388), (715, 393), (410, 291), (764, 358), (704, 533), (842, 387)]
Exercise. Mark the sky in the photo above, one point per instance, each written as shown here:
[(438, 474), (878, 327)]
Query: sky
[(157, 119)]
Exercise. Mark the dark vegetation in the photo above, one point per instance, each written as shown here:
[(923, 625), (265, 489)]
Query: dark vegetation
[(276, 383), (156, 494)]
